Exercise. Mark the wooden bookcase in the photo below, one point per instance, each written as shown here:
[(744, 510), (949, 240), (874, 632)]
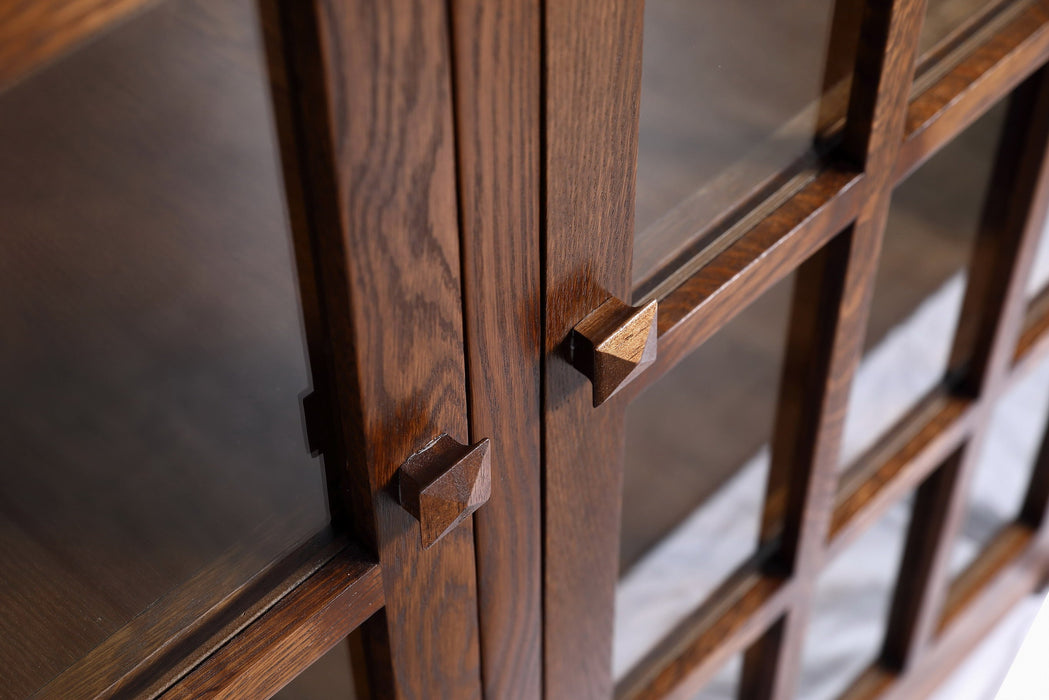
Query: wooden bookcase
[(460, 183)]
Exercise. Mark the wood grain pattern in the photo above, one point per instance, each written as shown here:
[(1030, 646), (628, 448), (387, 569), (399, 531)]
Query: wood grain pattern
[(397, 385), (34, 32), (370, 112), (294, 633), (592, 86), (496, 48)]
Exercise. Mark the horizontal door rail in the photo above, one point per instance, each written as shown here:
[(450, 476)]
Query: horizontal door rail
[(295, 632), (697, 308), (970, 88)]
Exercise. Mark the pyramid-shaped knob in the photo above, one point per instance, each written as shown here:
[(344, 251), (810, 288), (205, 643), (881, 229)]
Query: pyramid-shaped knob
[(614, 344), (443, 484)]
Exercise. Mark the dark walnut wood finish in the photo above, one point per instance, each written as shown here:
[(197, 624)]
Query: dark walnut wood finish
[(375, 203), (460, 182), (497, 95), (592, 80)]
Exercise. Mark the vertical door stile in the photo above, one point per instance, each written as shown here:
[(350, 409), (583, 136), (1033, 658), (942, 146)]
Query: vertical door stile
[(496, 45), (363, 91), (592, 76)]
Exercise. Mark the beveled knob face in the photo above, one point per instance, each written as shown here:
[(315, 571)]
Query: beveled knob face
[(443, 484), (614, 344)]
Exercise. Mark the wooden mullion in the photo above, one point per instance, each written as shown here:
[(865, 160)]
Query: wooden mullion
[(497, 74), (991, 322), (993, 310), (695, 650), (363, 96), (828, 322)]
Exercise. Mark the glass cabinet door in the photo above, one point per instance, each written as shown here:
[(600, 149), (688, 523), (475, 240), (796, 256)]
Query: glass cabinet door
[(152, 459)]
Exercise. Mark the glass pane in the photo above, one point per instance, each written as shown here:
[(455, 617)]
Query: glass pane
[(1003, 471), (943, 17), (920, 283), (851, 608), (150, 438), (329, 678), (696, 466), (721, 118)]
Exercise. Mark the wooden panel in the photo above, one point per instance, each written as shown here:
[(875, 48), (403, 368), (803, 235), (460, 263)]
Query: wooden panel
[(497, 76), (33, 32), (366, 113), (592, 74), (291, 635)]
